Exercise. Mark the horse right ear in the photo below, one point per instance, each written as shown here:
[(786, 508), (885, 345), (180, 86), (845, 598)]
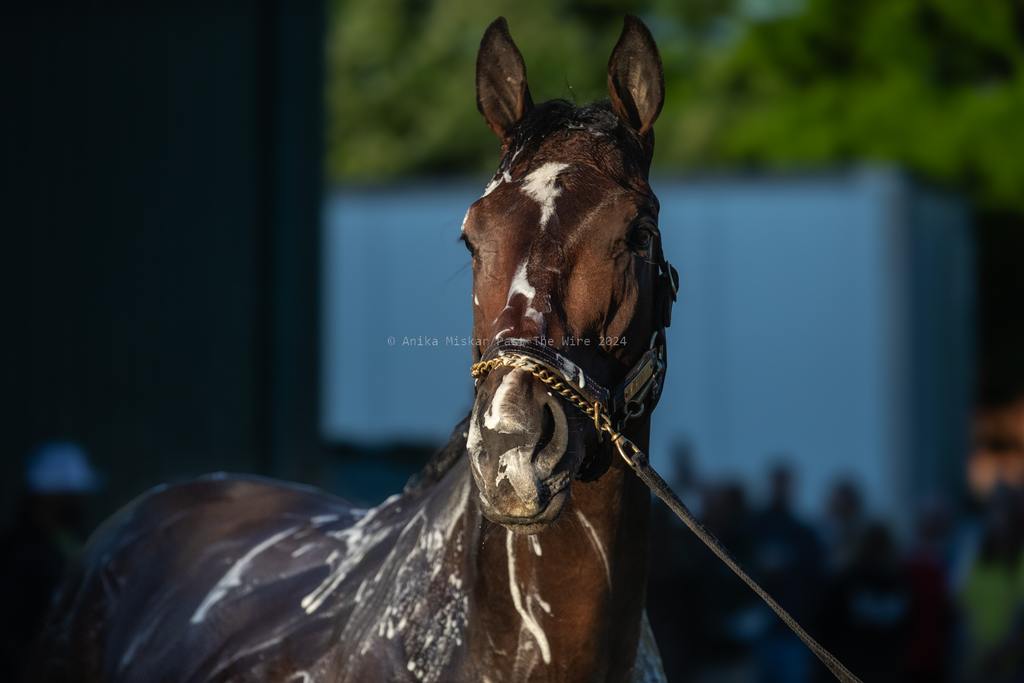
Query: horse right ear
[(636, 83), (502, 95)]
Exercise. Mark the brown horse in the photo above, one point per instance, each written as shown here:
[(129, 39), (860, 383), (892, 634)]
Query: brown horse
[(519, 554)]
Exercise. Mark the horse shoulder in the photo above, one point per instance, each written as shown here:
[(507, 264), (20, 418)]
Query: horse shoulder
[(160, 588)]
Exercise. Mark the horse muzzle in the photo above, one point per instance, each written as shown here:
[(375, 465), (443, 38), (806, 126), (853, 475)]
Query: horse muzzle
[(518, 440)]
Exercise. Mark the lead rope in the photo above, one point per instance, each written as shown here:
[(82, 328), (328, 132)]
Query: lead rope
[(639, 463)]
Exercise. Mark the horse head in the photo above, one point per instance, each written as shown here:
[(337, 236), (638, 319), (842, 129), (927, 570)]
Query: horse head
[(566, 256)]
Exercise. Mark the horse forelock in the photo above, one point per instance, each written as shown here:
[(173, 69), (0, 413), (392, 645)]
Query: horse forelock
[(591, 135)]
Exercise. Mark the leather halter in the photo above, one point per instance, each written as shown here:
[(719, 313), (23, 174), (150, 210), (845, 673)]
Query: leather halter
[(635, 395)]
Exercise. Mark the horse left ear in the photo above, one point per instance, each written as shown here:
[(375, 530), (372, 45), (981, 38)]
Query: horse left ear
[(636, 83), (502, 95)]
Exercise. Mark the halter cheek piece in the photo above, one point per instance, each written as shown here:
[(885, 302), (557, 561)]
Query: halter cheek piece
[(611, 410)]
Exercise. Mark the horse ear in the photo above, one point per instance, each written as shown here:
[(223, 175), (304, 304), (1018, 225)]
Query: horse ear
[(502, 95), (636, 83)]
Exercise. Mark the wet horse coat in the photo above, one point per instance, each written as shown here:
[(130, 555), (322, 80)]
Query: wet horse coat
[(518, 554)]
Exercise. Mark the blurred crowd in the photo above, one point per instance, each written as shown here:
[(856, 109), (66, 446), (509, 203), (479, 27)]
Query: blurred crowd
[(939, 601)]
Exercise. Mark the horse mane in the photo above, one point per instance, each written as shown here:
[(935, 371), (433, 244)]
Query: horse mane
[(441, 461)]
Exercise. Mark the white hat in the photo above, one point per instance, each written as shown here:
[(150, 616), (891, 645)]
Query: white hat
[(60, 467)]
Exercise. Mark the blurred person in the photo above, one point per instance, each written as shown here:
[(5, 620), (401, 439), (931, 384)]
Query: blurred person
[(866, 613), (685, 481), (843, 525), (673, 575), (725, 614), (48, 532), (932, 616), (992, 597), (997, 454), (786, 559)]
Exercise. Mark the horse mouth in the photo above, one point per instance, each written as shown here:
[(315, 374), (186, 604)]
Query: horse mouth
[(532, 524)]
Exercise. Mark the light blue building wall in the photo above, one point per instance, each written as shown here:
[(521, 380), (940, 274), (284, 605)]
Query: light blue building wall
[(826, 319)]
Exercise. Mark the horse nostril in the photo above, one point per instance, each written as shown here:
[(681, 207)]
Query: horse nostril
[(547, 430)]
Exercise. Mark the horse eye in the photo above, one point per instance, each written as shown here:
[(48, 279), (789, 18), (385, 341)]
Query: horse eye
[(641, 235), (469, 246)]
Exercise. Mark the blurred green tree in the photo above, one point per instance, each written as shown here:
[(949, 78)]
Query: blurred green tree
[(400, 93), (936, 86)]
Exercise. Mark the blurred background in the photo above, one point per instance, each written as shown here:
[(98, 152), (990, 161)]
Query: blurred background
[(230, 244)]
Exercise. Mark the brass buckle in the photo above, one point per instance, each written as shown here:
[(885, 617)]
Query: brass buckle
[(635, 394), (622, 445), (641, 383)]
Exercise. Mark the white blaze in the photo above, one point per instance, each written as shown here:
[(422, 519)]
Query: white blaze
[(521, 285), (542, 187)]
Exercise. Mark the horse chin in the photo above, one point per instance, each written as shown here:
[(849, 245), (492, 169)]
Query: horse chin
[(528, 525)]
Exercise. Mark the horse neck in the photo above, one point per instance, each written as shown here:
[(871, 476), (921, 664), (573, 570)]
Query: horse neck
[(575, 591)]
